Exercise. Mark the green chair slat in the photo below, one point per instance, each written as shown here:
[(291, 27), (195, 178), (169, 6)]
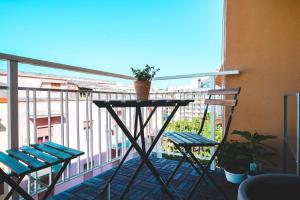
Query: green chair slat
[(52, 151), (202, 140), (175, 138), (71, 151), (189, 139), (41, 155), (32, 162), (13, 164), (51, 155)]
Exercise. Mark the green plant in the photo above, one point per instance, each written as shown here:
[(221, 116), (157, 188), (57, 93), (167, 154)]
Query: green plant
[(145, 74), (233, 156), (259, 152)]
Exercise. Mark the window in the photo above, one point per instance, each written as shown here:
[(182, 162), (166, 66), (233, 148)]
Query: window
[(56, 85), (52, 85), (43, 139), (87, 124), (85, 165), (83, 92), (42, 134)]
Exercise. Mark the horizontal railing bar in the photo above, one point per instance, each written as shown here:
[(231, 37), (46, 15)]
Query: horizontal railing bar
[(66, 90), (291, 94), (102, 91), (223, 73), (43, 63)]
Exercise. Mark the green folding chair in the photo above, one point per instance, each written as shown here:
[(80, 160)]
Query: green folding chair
[(34, 158), (184, 142)]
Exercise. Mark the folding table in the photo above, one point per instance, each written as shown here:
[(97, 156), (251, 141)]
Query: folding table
[(36, 157), (142, 151)]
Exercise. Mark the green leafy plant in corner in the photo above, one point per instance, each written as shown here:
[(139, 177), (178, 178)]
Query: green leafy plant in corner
[(233, 156), (259, 152), (145, 74)]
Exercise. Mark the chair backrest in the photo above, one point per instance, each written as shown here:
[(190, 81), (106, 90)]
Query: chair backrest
[(221, 102)]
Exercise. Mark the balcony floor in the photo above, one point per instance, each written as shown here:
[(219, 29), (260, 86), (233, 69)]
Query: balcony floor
[(145, 185)]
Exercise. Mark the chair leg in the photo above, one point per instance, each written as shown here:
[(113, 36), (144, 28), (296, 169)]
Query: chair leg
[(190, 161), (58, 175), (174, 172), (13, 190), (205, 172), (14, 185)]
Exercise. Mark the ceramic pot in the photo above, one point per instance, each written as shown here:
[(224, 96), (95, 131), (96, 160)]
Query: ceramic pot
[(235, 178), (142, 89)]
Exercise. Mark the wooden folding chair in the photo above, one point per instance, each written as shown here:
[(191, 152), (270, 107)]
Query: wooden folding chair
[(34, 158), (184, 142)]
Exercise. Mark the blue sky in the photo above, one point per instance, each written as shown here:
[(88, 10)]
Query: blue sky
[(177, 36)]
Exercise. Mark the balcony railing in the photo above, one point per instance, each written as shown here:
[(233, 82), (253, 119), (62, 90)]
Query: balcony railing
[(288, 144), (69, 117)]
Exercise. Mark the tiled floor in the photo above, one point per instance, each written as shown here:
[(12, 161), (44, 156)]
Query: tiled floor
[(146, 186)]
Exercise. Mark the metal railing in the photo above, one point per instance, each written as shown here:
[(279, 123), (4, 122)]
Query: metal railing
[(287, 146), (70, 118), (67, 109)]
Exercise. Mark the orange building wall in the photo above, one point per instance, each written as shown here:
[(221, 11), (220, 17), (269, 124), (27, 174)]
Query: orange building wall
[(262, 40)]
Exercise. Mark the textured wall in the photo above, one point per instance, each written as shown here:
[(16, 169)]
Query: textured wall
[(262, 40)]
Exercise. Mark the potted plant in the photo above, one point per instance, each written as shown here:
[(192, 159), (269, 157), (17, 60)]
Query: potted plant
[(259, 153), (142, 84), (233, 158)]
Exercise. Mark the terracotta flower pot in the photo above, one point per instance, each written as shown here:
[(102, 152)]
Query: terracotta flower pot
[(142, 89)]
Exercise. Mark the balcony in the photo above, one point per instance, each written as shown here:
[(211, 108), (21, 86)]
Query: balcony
[(64, 113), (259, 53)]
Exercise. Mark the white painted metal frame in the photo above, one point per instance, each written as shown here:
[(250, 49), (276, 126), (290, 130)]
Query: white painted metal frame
[(212, 122), (286, 143), (196, 75), (13, 111), (42, 63)]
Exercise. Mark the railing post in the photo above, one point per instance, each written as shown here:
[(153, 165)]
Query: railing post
[(13, 117), (298, 134), (159, 151), (285, 132), (212, 121), (13, 122)]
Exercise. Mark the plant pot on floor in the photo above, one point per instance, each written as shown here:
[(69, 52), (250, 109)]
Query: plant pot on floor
[(234, 177), (142, 89)]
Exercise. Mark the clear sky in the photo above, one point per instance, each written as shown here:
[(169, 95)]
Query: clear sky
[(177, 36)]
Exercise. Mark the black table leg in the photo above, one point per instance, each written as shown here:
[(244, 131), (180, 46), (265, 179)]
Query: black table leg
[(141, 128), (135, 122), (145, 158), (131, 146), (138, 148)]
